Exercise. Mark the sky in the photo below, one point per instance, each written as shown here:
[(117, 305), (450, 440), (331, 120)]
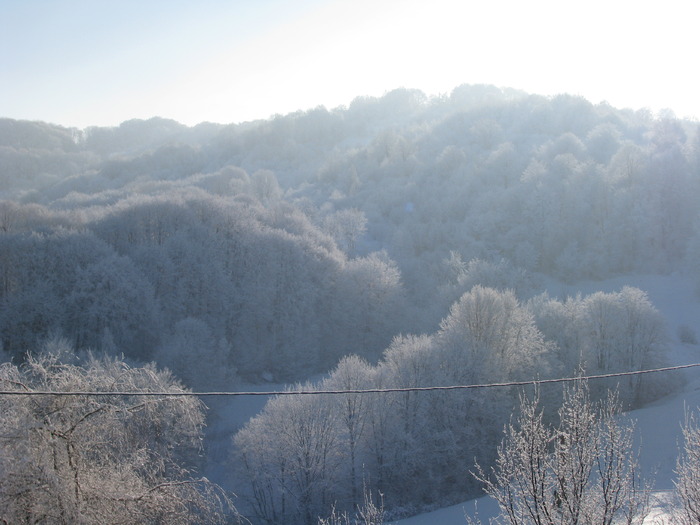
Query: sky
[(81, 63)]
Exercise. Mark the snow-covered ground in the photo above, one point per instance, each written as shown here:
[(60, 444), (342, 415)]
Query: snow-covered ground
[(658, 425)]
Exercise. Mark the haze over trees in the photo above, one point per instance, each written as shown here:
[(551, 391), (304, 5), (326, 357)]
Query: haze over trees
[(399, 241)]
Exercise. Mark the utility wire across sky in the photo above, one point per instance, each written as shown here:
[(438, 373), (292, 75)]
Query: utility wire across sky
[(341, 392)]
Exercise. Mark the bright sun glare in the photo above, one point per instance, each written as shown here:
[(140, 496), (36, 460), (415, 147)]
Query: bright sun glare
[(81, 65)]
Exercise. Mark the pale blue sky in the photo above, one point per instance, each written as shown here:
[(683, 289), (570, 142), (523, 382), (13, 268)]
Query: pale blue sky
[(99, 62)]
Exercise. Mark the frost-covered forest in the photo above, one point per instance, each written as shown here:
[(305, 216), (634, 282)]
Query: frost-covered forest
[(400, 241)]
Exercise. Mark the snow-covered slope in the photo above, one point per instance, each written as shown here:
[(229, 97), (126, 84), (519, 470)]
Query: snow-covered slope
[(658, 425)]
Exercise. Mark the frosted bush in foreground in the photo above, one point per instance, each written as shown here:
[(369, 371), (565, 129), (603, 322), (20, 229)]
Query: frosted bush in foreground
[(584, 470), (103, 459), (688, 472)]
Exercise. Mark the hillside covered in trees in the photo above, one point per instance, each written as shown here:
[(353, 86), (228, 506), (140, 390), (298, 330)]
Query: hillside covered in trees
[(400, 241)]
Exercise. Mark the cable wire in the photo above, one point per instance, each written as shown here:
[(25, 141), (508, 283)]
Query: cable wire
[(341, 392)]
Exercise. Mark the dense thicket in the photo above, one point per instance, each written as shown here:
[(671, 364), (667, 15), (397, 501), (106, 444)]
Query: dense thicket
[(272, 249), (302, 454), (203, 285)]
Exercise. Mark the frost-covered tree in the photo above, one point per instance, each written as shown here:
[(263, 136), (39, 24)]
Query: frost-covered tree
[(490, 335), (500, 274), (291, 456), (265, 186), (410, 446), (688, 473), (623, 332), (346, 227), (367, 514), (414, 434), (560, 323), (112, 295), (373, 298), (71, 282), (603, 333), (602, 142), (100, 459), (583, 470), (352, 373)]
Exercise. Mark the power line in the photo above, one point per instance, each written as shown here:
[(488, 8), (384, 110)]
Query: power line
[(340, 392)]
